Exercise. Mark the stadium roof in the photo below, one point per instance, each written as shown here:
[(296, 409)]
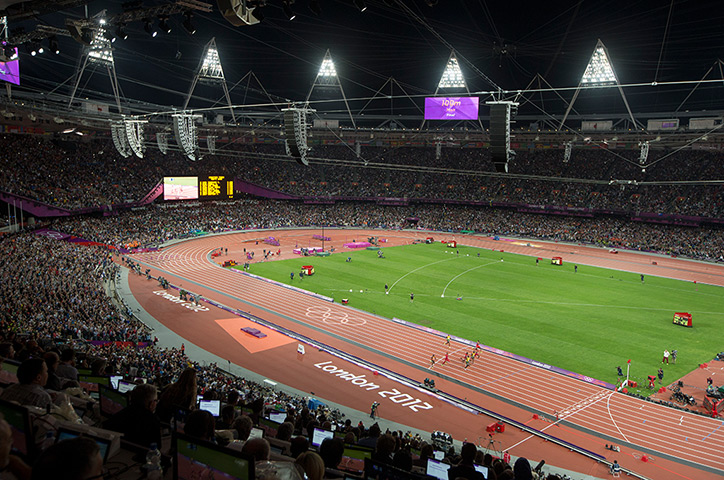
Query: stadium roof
[(498, 44)]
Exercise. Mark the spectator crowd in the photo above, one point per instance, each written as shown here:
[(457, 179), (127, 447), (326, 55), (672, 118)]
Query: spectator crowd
[(76, 175)]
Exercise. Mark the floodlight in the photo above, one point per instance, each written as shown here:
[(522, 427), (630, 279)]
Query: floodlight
[(109, 35), (258, 13), (361, 5), (315, 7), (30, 47), (121, 31), (288, 11), (211, 66), (148, 27), (163, 24), (599, 70), (188, 15), (452, 77), (53, 44), (100, 50), (327, 69)]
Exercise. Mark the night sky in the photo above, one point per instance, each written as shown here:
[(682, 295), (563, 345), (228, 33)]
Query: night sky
[(509, 42)]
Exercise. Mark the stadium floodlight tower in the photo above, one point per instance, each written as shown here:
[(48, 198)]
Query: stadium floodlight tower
[(211, 72), (327, 79), (598, 73), (97, 53), (452, 79)]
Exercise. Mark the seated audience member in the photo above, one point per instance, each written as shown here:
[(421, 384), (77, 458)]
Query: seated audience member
[(243, 426), (98, 366), (227, 418), (10, 463), (285, 431), (298, 446), (371, 439), (75, 459), (522, 469), (7, 351), (178, 395), (465, 468), (258, 448), (312, 464), (54, 382), (138, 422), (67, 369), (32, 376), (331, 450), (385, 447), (200, 424), (350, 438), (426, 451), (402, 459)]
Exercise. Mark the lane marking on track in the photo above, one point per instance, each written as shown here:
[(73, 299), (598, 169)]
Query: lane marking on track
[(610, 415), (326, 315)]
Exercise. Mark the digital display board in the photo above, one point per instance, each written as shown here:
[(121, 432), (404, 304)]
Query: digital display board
[(180, 188), (216, 186), (10, 71), (451, 108)]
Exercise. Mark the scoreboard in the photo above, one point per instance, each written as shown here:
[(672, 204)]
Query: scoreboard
[(216, 187)]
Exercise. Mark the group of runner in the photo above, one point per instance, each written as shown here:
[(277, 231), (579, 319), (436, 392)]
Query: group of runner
[(467, 359)]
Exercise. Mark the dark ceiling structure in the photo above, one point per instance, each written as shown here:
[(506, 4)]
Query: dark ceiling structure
[(388, 54)]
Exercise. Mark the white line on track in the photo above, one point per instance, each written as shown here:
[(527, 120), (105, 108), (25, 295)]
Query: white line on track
[(613, 420)]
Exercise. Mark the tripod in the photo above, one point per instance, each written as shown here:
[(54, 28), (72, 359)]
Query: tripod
[(490, 447)]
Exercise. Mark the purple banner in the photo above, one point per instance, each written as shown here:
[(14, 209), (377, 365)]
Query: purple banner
[(253, 189), (451, 108)]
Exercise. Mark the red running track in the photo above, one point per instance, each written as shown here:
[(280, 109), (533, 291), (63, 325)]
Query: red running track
[(674, 442)]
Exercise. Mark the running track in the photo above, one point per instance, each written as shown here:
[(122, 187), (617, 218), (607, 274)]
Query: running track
[(679, 440)]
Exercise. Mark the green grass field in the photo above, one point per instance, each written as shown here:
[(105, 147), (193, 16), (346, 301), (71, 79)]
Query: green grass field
[(588, 322)]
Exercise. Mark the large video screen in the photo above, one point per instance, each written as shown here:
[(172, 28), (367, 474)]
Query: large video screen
[(180, 188), (10, 71), (451, 108), (216, 187)]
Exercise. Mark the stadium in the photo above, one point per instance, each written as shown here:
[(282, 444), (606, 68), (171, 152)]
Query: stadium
[(383, 233)]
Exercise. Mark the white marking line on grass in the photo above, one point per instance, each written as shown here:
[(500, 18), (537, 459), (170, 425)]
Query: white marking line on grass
[(420, 268), (610, 415), (466, 271)]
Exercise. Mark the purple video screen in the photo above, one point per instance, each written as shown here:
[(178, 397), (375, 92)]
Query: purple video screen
[(451, 108), (10, 71)]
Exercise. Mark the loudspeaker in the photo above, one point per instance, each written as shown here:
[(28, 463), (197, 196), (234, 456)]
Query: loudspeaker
[(296, 135), (500, 135), (236, 12)]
